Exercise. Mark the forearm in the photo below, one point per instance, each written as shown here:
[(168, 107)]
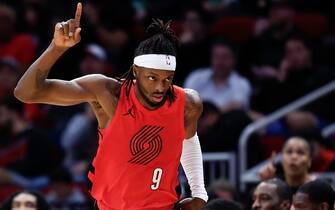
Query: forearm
[(34, 78), (191, 161)]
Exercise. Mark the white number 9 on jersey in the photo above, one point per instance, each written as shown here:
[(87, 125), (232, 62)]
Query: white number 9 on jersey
[(156, 178)]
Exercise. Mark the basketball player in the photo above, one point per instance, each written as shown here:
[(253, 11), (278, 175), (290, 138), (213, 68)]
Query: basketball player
[(147, 126)]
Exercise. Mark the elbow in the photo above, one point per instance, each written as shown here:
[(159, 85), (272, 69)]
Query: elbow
[(18, 93), (22, 95)]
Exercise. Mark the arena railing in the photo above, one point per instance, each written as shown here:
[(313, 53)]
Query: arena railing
[(328, 130), (251, 175), (216, 165), (263, 122), (220, 165)]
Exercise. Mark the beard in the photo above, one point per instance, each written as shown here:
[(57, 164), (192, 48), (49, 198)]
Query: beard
[(147, 100)]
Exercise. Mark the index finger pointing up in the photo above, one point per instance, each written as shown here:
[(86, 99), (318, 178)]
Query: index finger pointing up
[(78, 15)]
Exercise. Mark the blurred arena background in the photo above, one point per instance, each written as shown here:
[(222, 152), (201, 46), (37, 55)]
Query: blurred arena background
[(264, 68)]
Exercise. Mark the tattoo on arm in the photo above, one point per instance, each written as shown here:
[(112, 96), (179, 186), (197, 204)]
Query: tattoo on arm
[(96, 105)]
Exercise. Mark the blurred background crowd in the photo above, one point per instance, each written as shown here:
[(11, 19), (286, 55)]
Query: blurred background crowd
[(246, 58)]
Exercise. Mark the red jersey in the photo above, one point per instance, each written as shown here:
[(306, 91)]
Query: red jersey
[(136, 165)]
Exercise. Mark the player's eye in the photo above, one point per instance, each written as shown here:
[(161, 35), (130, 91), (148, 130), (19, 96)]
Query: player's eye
[(169, 79), (152, 78)]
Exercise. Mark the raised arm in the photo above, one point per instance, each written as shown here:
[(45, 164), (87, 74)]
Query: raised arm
[(34, 87)]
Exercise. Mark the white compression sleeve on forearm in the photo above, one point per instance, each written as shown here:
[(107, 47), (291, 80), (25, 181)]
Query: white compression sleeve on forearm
[(191, 160)]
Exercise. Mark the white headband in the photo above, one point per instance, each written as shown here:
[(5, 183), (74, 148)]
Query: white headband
[(156, 61)]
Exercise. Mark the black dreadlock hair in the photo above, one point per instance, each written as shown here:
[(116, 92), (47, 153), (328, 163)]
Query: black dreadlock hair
[(162, 40)]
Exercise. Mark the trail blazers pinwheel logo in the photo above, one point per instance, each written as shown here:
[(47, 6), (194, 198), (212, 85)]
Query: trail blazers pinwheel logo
[(146, 145)]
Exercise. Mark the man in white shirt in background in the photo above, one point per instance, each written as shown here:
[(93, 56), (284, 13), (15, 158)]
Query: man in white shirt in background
[(220, 84)]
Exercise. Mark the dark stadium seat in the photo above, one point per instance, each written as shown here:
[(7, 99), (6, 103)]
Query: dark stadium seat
[(6, 190), (237, 29), (313, 24), (272, 143)]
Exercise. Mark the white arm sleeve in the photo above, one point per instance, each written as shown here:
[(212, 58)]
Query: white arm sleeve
[(191, 160)]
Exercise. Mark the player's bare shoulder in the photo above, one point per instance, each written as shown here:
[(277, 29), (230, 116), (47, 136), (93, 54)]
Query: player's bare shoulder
[(100, 84), (193, 105), (113, 86)]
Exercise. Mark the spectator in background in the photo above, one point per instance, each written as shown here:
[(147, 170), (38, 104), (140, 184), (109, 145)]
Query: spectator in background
[(221, 204), (295, 164), (80, 141), (35, 17), (269, 46), (112, 26), (94, 61), (220, 131), (63, 194), (225, 91), (208, 120), (220, 84), (323, 156), (21, 147), (195, 42), (297, 76), (194, 28), (266, 49), (222, 189), (314, 195), (18, 46), (272, 194), (25, 200)]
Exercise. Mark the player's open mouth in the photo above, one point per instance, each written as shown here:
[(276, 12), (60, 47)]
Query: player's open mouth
[(157, 98)]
